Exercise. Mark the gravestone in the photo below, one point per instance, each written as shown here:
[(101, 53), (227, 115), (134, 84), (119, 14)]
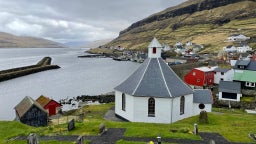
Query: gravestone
[(203, 118), (32, 139), (71, 125), (80, 140), (102, 129), (212, 142), (195, 131)]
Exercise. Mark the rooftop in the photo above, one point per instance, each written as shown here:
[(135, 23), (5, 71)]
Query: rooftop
[(154, 78)]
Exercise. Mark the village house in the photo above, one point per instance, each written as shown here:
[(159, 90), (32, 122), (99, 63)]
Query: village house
[(244, 72), (155, 94), (50, 105), (229, 90), (237, 38), (201, 77), (243, 48), (223, 74), (230, 48), (202, 99), (29, 112)]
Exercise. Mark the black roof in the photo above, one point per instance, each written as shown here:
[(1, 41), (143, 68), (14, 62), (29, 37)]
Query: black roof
[(230, 87), (249, 65), (154, 78), (221, 70), (202, 96)]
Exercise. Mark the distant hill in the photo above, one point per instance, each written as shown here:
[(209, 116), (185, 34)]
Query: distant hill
[(207, 22), (96, 43), (12, 41)]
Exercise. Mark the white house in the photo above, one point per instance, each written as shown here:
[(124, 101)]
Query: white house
[(202, 100), (237, 38), (230, 48), (166, 47), (154, 93), (243, 48), (229, 90), (223, 74)]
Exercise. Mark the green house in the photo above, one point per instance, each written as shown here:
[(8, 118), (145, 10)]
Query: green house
[(246, 77)]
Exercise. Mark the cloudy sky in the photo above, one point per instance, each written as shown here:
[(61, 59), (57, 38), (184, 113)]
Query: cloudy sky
[(75, 20)]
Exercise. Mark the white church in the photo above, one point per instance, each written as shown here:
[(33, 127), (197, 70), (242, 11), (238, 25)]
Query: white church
[(155, 94)]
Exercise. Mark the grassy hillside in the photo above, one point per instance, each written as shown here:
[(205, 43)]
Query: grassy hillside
[(209, 27), (12, 41)]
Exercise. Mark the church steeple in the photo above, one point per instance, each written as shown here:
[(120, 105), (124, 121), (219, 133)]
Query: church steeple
[(154, 49)]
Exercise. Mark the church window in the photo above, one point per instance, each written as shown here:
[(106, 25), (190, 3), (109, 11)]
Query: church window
[(154, 50), (123, 102), (182, 105), (151, 107)]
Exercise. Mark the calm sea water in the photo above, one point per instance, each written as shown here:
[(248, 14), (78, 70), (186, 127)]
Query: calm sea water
[(77, 76)]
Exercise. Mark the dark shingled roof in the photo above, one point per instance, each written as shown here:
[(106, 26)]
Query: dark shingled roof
[(202, 96), (25, 105), (221, 70), (249, 65), (154, 78), (230, 87)]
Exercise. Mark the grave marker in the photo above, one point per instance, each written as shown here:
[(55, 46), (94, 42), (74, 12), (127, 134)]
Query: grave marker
[(71, 125)]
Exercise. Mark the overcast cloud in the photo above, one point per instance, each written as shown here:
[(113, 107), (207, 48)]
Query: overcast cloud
[(75, 20)]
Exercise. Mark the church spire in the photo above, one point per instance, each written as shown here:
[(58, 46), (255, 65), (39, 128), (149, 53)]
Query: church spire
[(154, 49)]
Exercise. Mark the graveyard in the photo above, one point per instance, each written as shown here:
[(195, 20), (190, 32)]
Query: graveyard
[(233, 124)]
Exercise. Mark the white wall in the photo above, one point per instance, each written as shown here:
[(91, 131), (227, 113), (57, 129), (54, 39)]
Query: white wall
[(165, 112), (197, 110), (228, 76), (129, 109), (162, 110), (188, 112), (156, 55)]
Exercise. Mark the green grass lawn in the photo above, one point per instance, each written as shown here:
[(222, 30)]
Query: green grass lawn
[(234, 125)]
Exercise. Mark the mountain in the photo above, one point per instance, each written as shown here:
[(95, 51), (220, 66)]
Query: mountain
[(207, 22), (11, 41)]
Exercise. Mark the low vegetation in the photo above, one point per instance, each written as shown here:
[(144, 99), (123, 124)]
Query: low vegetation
[(234, 125)]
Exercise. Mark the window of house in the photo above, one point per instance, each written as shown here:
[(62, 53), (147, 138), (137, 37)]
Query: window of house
[(222, 73), (201, 106), (154, 50), (123, 102), (194, 73), (198, 80), (250, 84), (151, 107), (241, 67), (221, 79), (182, 105)]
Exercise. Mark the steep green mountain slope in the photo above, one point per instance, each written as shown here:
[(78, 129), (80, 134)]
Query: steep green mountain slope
[(207, 22), (9, 40)]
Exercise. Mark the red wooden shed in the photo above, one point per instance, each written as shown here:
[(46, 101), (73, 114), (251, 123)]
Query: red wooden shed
[(50, 105), (201, 77)]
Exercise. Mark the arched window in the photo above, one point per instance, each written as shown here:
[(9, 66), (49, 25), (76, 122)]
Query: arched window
[(123, 102), (182, 105), (151, 107)]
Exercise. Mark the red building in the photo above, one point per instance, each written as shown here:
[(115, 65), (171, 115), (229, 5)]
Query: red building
[(50, 105), (200, 77)]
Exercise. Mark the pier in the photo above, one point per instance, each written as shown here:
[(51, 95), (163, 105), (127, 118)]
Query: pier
[(42, 65)]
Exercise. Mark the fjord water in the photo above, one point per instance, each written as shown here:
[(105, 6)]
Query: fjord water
[(77, 76)]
